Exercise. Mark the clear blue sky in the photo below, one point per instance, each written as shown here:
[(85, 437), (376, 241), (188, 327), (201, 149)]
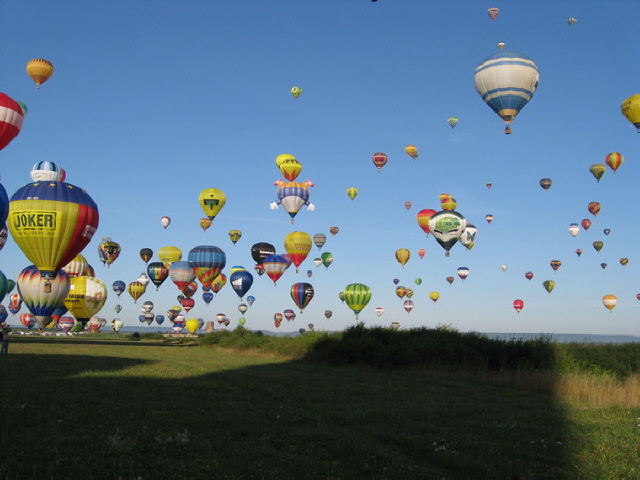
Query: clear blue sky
[(152, 101)]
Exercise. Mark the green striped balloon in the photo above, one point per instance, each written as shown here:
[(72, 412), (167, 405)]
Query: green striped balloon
[(357, 297)]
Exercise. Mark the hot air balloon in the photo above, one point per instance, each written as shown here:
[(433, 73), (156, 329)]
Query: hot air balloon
[(289, 315), (610, 302), (594, 208), (631, 110), (597, 170), (260, 251), (407, 205), (379, 311), (506, 81), (116, 324), (241, 282), (293, 196), (598, 244), (574, 229), (147, 306), (401, 291), (207, 297), (207, 262), (290, 169), (108, 251), (450, 280), (504, 268), (624, 261), (28, 320), (219, 282), (51, 223), (4, 233), (379, 159), (169, 254), (165, 222), (298, 246), (423, 217), (309, 273), (328, 314), (136, 290), (421, 252), (352, 193), (518, 305), (327, 259), (501, 45), (11, 117), (528, 275), (302, 293), (493, 13), (118, 287), (614, 160), (447, 202), (555, 264), (187, 304), (157, 273), (447, 227), (357, 296), (468, 236), (42, 296), (146, 254), (434, 296), (545, 183), (212, 200), (586, 223), (549, 285), (46, 171), (463, 272), (396, 281), (296, 91), (408, 306), (578, 252), (117, 308), (603, 265), (412, 151), (489, 219), (402, 256), (334, 230), (76, 267), (86, 297), (452, 121), (15, 303), (572, 21), (39, 70), (181, 274), (409, 293), (251, 299)]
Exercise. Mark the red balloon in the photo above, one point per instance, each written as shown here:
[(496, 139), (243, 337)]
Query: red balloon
[(528, 275), (187, 304), (11, 117), (518, 305), (379, 159), (586, 223)]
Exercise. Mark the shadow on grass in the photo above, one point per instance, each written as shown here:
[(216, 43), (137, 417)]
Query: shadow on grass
[(83, 416)]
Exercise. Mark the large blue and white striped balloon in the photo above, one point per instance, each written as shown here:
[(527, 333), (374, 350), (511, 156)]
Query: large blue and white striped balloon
[(506, 81)]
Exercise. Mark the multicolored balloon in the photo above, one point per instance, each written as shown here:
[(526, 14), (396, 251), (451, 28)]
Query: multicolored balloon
[(302, 293), (52, 222), (11, 118)]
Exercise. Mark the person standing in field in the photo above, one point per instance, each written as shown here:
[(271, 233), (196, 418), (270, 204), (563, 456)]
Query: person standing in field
[(4, 335)]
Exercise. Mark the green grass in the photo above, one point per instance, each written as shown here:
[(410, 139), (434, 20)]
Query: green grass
[(88, 407)]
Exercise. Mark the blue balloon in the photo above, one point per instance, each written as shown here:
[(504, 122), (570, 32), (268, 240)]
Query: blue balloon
[(241, 282), (207, 297), (118, 287), (159, 319)]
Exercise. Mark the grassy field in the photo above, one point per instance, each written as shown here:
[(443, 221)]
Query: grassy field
[(86, 407)]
